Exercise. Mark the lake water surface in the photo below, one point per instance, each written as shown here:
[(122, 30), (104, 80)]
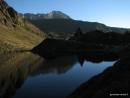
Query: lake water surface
[(25, 75)]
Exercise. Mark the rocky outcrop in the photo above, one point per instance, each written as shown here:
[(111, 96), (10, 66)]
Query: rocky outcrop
[(113, 82), (16, 33), (51, 48), (50, 15), (8, 16)]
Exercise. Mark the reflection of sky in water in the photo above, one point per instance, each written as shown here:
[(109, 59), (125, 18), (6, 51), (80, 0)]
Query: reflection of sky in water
[(59, 85)]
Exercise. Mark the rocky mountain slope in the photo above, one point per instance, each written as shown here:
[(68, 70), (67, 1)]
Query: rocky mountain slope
[(16, 32), (51, 15), (63, 28)]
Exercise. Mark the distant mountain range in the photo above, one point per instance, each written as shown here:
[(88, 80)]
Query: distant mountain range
[(51, 15), (59, 25)]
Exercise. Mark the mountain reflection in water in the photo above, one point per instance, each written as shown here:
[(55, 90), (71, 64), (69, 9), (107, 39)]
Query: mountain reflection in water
[(31, 76)]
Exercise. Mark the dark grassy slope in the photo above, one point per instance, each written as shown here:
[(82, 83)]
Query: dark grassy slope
[(94, 41), (64, 28), (51, 48), (100, 37)]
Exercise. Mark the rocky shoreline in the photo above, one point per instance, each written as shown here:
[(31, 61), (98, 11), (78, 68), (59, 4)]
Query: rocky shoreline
[(113, 80)]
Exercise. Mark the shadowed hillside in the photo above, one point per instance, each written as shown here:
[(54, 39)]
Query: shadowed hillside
[(102, 38), (63, 26), (114, 80)]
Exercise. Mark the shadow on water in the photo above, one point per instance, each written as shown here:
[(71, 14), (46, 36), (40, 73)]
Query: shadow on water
[(113, 82), (61, 74)]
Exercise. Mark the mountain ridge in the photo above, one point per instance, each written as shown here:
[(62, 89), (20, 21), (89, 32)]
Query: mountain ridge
[(62, 28), (50, 15)]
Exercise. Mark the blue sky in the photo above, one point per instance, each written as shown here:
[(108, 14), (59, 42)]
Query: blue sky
[(110, 12)]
